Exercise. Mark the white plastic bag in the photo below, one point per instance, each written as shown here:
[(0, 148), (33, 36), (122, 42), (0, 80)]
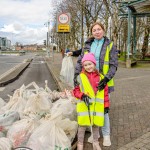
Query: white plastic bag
[(67, 71), (16, 102), (7, 119), (5, 144), (69, 127), (64, 108), (38, 104), (20, 131), (49, 136)]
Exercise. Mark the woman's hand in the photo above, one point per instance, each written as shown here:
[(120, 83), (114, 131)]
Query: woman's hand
[(69, 54), (102, 83)]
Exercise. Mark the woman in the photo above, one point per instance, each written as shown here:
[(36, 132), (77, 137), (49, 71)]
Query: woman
[(106, 62)]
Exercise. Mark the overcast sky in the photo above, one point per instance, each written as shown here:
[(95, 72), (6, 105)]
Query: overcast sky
[(23, 20)]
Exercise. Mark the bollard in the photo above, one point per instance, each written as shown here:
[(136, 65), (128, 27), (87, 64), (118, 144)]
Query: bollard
[(128, 63)]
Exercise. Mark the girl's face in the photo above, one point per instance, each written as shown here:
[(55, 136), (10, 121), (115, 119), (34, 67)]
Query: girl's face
[(89, 66), (97, 32)]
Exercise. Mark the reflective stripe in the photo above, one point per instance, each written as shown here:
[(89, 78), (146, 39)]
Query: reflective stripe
[(91, 114), (99, 100), (80, 101), (84, 114), (98, 114), (92, 100), (106, 62)]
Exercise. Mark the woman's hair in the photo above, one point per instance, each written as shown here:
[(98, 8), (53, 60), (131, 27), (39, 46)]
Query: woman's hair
[(97, 23)]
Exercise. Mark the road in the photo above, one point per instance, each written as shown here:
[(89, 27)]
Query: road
[(37, 71), (9, 61)]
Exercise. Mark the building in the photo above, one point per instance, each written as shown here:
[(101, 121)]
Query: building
[(32, 47), (5, 44)]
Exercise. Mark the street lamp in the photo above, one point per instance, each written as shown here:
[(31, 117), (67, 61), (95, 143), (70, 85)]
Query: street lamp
[(48, 34)]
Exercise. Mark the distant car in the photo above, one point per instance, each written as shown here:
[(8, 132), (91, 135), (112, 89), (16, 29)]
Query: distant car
[(22, 52)]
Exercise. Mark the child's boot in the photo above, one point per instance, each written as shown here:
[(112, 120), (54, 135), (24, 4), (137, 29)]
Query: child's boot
[(96, 146), (79, 146), (106, 140)]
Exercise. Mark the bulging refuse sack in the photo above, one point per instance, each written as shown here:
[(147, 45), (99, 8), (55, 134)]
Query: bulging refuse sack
[(16, 103), (51, 135), (64, 107), (67, 71), (38, 103), (7, 119), (5, 144), (1, 133), (69, 127), (20, 132)]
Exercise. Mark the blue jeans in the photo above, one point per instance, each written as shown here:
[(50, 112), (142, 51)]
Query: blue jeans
[(106, 127)]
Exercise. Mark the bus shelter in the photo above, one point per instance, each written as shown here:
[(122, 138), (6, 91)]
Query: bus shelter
[(132, 9)]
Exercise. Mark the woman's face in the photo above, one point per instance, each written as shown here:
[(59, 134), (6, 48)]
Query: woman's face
[(97, 32)]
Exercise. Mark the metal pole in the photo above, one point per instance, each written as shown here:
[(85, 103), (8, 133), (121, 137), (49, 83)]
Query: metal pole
[(134, 35), (64, 41), (53, 46), (47, 39), (129, 34), (82, 24), (48, 46)]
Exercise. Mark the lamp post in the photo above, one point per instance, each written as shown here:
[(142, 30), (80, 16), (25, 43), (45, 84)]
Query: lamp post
[(48, 42)]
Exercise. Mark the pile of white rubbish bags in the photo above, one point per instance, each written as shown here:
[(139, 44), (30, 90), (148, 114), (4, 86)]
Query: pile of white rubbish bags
[(38, 118)]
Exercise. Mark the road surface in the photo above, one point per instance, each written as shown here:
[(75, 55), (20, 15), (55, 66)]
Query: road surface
[(37, 71)]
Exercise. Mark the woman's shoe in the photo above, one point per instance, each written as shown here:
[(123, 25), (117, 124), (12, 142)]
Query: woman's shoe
[(106, 140), (96, 146)]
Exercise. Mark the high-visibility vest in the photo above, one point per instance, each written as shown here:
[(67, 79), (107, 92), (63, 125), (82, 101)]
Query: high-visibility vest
[(94, 116), (106, 64)]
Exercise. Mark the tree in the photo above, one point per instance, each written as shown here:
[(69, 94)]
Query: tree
[(146, 38)]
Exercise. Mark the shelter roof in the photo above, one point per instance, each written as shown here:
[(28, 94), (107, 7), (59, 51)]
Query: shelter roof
[(137, 6)]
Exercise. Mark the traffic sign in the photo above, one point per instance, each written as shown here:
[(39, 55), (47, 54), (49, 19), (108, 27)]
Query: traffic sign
[(63, 28), (63, 22), (63, 18)]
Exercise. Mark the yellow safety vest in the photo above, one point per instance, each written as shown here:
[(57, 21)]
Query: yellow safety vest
[(96, 107), (106, 64)]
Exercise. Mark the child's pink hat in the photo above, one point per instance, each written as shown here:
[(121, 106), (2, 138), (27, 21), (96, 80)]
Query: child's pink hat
[(89, 57)]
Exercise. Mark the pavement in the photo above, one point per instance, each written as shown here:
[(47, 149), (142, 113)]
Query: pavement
[(130, 103)]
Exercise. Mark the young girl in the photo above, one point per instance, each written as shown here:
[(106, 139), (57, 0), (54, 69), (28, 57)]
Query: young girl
[(90, 108)]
